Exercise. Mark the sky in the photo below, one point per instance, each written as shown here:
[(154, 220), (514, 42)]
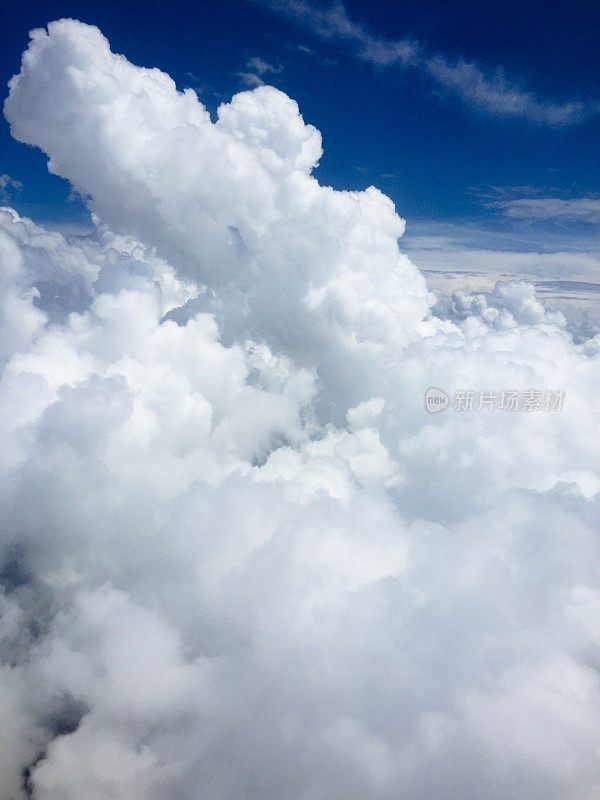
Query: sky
[(280, 518), (468, 115)]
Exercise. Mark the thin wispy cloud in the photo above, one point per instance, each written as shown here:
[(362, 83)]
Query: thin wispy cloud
[(577, 209), (308, 51), (334, 23), (497, 95), (488, 91), (256, 71), (6, 185), (530, 203)]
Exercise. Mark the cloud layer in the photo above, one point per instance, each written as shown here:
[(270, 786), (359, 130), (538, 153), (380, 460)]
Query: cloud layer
[(239, 559)]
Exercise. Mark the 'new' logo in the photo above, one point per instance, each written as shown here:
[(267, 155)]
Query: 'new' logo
[(435, 400)]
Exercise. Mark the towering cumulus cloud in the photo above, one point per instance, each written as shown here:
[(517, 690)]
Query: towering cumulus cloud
[(239, 559)]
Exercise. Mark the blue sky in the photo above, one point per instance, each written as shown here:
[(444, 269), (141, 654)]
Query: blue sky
[(481, 120)]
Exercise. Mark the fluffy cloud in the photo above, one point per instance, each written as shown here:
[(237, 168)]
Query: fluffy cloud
[(239, 558)]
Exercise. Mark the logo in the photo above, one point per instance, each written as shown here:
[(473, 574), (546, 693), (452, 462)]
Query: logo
[(435, 400)]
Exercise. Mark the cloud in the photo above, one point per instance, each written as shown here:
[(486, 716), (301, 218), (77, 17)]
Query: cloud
[(6, 185), (6, 181), (577, 209), (262, 67), (469, 258), (258, 70), (334, 23), (493, 94), (238, 557), (531, 203), (495, 252), (500, 97)]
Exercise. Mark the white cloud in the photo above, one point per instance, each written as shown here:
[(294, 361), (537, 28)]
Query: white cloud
[(251, 79), (6, 181), (334, 23), (262, 67), (564, 268), (455, 247), (578, 209), (238, 557), (495, 95), (259, 69), (6, 185)]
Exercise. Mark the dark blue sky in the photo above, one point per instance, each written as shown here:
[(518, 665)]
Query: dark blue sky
[(435, 133)]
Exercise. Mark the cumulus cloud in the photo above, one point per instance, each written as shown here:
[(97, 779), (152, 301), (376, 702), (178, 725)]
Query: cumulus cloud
[(239, 558), (487, 90)]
